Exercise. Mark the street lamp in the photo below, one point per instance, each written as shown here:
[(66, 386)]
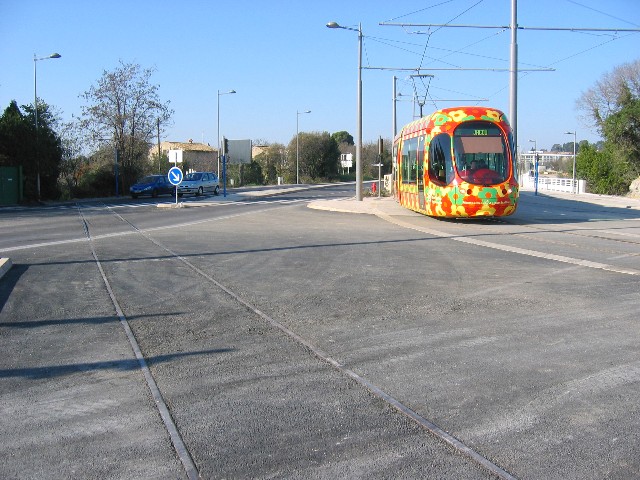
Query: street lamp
[(394, 124), (35, 111), (223, 93), (573, 184), (535, 157), (359, 114), (298, 145)]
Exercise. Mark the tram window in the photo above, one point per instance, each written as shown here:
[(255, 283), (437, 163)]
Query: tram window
[(514, 157), (420, 160), (481, 153), (409, 160), (395, 161), (440, 164)]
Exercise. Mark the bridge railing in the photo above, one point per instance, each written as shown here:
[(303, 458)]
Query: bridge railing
[(555, 184)]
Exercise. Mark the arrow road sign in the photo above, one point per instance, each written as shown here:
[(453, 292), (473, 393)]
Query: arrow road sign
[(175, 176)]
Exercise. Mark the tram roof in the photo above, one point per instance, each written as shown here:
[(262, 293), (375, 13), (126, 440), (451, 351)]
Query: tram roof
[(463, 113)]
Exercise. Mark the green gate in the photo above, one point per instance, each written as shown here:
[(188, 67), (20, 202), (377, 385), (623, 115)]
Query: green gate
[(10, 185)]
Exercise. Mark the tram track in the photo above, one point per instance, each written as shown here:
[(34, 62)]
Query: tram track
[(475, 240), (181, 449), (578, 232), (170, 426)]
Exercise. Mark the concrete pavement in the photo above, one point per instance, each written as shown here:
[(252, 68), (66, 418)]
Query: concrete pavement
[(387, 205), (376, 205)]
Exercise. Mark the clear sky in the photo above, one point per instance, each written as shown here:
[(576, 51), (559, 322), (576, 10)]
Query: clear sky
[(280, 58)]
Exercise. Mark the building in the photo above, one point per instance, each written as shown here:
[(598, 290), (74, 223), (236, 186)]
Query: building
[(544, 158), (258, 149), (195, 156)]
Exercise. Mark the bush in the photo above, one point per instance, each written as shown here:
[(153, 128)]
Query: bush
[(96, 181), (606, 173)]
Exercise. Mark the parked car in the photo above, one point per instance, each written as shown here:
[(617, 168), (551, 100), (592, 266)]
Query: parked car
[(153, 185), (199, 183)]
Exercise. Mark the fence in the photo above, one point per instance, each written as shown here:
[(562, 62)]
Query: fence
[(554, 184), (527, 181)]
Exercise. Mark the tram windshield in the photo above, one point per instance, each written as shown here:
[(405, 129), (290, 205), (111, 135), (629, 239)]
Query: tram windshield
[(480, 152)]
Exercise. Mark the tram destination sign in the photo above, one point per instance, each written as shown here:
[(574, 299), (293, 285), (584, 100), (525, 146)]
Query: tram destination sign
[(477, 131)]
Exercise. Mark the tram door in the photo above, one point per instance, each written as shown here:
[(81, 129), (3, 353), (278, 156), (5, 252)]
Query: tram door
[(420, 171)]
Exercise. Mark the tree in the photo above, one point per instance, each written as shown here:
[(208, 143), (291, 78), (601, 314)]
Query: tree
[(125, 109), (73, 162), (252, 174), (343, 137), (38, 152), (613, 104), (602, 170), (319, 157), (273, 163), (16, 135), (370, 157), (610, 94), (622, 130)]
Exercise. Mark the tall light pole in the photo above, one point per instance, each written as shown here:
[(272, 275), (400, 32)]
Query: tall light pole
[(513, 71), (535, 157), (298, 145), (35, 112), (573, 185), (394, 123), (359, 109), (223, 93)]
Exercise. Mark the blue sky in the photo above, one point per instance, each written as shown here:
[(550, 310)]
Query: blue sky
[(280, 58)]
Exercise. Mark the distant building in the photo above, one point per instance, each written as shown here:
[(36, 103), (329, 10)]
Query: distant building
[(258, 149), (544, 157), (197, 156)]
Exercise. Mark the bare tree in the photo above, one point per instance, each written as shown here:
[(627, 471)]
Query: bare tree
[(72, 158), (610, 93), (273, 162), (124, 109)]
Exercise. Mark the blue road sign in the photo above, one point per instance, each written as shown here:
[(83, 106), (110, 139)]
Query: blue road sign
[(175, 176)]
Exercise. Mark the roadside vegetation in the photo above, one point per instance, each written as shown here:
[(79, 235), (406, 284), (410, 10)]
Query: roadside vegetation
[(613, 106), (124, 117)]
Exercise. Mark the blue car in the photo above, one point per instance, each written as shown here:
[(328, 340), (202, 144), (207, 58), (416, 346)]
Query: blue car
[(153, 185)]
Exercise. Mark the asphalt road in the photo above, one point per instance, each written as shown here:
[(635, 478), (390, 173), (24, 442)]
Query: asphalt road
[(255, 337)]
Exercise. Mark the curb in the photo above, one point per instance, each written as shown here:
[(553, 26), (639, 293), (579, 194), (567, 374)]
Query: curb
[(5, 266)]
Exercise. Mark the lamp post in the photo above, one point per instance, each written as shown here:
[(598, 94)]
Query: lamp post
[(535, 157), (394, 123), (573, 184), (359, 108), (223, 93), (298, 145), (35, 111)]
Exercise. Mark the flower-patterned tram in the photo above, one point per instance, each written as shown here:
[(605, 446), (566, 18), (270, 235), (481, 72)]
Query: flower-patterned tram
[(457, 162)]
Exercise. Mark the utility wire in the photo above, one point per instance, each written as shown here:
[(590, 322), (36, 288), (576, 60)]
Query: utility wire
[(418, 11), (603, 13)]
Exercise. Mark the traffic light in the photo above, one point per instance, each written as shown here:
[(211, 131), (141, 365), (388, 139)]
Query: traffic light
[(225, 146), (380, 146)]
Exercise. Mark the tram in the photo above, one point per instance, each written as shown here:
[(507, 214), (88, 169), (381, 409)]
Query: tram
[(457, 162)]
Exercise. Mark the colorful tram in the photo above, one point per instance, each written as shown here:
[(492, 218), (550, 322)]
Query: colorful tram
[(457, 162)]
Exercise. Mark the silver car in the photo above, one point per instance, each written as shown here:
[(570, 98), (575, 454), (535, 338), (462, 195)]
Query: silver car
[(199, 183)]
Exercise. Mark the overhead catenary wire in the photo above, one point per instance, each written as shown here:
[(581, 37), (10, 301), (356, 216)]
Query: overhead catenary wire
[(515, 72)]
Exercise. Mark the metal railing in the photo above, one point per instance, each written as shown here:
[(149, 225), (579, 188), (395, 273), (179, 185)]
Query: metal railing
[(555, 184)]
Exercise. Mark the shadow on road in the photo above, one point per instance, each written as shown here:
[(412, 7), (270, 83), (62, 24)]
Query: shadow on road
[(52, 371)]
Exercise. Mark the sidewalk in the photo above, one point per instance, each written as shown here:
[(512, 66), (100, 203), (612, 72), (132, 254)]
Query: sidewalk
[(387, 205), (368, 205), (604, 200)]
